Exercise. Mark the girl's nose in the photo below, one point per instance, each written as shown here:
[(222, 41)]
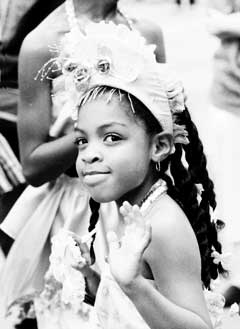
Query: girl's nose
[(91, 155), (91, 159)]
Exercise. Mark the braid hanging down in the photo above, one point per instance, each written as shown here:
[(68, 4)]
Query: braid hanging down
[(186, 193), (94, 206)]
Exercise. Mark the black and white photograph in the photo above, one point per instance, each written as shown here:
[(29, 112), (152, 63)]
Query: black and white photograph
[(119, 164)]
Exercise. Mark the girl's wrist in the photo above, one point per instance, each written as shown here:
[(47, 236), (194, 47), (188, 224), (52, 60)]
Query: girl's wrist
[(134, 286)]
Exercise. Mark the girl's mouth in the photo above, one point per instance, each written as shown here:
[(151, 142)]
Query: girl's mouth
[(91, 178)]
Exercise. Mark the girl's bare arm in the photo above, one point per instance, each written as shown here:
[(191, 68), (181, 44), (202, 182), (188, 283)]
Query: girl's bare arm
[(176, 301)]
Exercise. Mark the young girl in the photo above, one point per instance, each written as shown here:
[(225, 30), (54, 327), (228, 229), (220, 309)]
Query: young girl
[(138, 146), (46, 137)]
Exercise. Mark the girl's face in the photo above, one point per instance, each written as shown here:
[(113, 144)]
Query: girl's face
[(114, 152)]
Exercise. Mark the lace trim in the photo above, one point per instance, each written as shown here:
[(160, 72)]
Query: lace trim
[(159, 188)]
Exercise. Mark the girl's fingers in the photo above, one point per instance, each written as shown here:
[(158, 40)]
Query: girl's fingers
[(125, 208), (145, 239), (128, 220), (113, 240), (135, 217), (148, 233), (131, 214), (123, 211), (137, 214)]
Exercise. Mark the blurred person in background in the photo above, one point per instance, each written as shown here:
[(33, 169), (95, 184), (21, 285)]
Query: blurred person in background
[(18, 18), (224, 153)]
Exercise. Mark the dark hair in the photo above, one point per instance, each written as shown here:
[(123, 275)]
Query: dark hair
[(185, 191), (182, 187)]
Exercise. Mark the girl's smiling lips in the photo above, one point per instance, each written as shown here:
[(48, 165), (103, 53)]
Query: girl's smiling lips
[(94, 172), (94, 177)]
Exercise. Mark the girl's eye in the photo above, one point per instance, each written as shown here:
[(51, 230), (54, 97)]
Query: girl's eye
[(112, 138), (80, 141)]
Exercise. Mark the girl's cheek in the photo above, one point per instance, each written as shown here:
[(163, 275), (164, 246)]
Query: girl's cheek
[(79, 167)]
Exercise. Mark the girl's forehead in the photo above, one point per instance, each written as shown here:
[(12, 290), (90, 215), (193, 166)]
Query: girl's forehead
[(98, 113), (101, 107)]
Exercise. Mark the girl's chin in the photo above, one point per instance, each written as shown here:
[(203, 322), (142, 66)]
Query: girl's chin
[(101, 198)]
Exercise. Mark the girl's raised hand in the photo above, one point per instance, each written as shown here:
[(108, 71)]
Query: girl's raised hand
[(125, 256)]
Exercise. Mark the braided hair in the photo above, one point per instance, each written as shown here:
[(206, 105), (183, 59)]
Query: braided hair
[(185, 189), (94, 206), (182, 178)]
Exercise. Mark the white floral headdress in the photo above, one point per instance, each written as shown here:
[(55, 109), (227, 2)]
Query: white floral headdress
[(113, 55)]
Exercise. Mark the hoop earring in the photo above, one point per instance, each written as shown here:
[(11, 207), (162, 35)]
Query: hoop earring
[(158, 166)]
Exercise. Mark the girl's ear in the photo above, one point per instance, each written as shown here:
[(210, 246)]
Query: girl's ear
[(162, 144)]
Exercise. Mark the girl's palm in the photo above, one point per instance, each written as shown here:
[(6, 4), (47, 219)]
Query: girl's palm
[(125, 256)]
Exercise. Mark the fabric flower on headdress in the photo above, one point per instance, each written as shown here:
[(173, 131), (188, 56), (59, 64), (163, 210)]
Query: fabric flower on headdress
[(104, 48), (176, 100), (180, 134), (176, 97), (112, 55)]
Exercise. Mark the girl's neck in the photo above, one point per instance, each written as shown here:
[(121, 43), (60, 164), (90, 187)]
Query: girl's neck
[(95, 10), (137, 195), (151, 195)]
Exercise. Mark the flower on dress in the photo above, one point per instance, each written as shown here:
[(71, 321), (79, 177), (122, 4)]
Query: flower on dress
[(15, 314), (65, 252), (215, 304), (234, 310), (223, 258)]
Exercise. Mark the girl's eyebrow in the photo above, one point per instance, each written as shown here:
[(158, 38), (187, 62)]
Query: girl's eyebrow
[(102, 127), (110, 124), (78, 129)]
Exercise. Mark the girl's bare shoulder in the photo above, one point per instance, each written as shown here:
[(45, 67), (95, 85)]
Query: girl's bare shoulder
[(171, 229)]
